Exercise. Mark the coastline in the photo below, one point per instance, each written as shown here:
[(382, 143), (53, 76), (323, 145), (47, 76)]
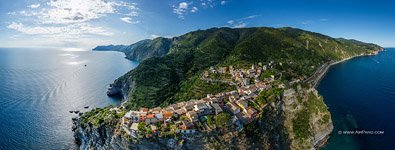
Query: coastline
[(316, 81)]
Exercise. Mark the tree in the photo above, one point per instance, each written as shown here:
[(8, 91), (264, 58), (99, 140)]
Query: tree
[(222, 119)]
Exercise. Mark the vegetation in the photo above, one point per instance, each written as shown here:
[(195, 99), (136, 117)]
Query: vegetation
[(301, 127), (99, 116), (268, 96), (220, 120), (176, 76), (314, 105)]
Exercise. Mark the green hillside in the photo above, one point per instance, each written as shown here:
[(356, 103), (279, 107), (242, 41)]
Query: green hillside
[(176, 75)]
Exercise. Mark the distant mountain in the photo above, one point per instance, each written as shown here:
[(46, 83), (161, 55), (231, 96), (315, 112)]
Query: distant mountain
[(172, 75), (141, 50), (110, 48)]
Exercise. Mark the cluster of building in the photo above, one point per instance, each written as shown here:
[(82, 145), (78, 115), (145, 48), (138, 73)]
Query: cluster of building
[(237, 103)]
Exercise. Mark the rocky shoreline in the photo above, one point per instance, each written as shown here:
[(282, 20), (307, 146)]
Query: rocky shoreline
[(325, 139), (322, 74)]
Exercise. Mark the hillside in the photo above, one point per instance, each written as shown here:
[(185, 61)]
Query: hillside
[(176, 75), (141, 50), (259, 81)]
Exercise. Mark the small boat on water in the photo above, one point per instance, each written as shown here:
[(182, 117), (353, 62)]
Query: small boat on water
[(76, 112), (86, 107), (71, 111)]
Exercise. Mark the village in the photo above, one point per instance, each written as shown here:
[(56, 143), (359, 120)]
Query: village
[(238, 107)]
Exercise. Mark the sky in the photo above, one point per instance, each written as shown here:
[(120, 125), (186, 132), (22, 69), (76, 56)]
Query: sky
[(83, 24)]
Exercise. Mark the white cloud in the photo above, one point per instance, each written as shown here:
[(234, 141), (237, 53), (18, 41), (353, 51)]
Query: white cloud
[(241, 22), (71, 20), (34, 5), (231, 22), (181, 9), (129, 20), (194, 9), (249, 17), (73, 11), (153, 36), (73, 30), (240, 25)]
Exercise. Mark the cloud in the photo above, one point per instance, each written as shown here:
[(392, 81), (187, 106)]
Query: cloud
[(181, 9), (241, 22), (231, 22), (68, 20), (240, 25), (250, 17), (194, 9), (73, 30), (34, 5), (153, 36), (129, 20), (74, 11)]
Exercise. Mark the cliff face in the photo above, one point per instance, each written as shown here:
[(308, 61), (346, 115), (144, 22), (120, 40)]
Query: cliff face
[(275, 129), (171, 71), (141, 50)]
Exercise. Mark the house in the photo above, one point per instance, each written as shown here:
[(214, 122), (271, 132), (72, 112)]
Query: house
[(135, 116), (222, 70), (264, 68), (144, 109), (154, 129), (134, 130), (232, 98), (142, 116), (243, 117), (155, 110), (201, 108), (192, 115), (180, 112), (217, 109), (233, 108), (242, 104), (159, 116), (246, 81), (251, 112), (206, 74), (167, 114), (189, 107), (186, 125), (236, 122), (151, 119), (179, 105)]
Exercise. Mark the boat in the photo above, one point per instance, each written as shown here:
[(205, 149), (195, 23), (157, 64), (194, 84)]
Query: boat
[(76, 112), (71, 111), (86, 107)]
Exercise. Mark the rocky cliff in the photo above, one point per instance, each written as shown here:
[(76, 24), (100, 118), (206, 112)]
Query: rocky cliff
[(275, 129), (141, 50)]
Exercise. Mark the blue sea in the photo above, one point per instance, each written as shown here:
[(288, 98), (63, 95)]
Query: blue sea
[(360, 94), (39, 87)]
